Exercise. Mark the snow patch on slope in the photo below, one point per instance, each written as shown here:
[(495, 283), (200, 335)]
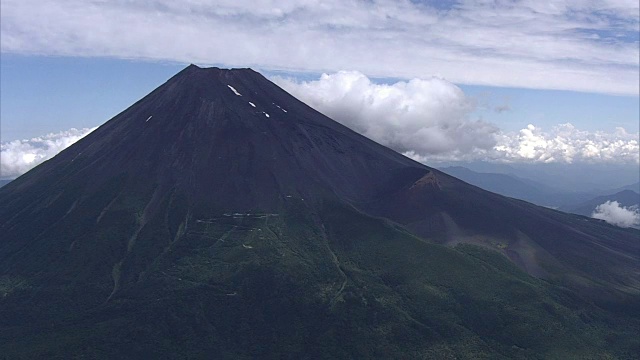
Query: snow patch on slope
[(234, 90)]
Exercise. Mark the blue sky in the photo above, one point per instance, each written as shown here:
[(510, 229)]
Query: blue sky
[(546, 108), (43, 94), (501, 81)]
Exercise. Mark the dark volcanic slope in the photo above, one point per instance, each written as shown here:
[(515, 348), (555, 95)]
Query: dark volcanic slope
[(221, 214), (195, 134)]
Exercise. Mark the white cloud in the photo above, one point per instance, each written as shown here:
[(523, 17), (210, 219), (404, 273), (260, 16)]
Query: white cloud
[(567, 144), (426, 116), (429, 120), (613, 213), (575, 45), (19, 156)]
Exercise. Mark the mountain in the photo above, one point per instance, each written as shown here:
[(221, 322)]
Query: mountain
[(221, 217), (596, 178), (625, 198), (4, 182), (519, 188), (503, 184), (635, 187)]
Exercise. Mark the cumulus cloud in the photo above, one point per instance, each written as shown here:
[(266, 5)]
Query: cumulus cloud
[(565, 143), (19, 156), (427, 116), (613, 213), (429, 121), (574, 45)]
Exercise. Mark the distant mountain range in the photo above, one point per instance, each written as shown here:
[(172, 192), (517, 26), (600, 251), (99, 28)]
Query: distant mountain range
[(626, 198), (597, 179), (633, 187), (532, 191)]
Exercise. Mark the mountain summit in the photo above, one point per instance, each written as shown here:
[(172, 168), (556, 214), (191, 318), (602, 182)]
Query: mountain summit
[(220, 215), (230, 138)]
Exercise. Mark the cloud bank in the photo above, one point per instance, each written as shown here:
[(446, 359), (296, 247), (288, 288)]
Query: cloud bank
[(425, 116), (587, 45), (567, 144), (429, 120), (613, 213), (19, 156)]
